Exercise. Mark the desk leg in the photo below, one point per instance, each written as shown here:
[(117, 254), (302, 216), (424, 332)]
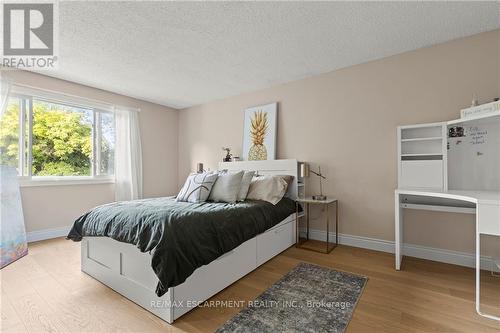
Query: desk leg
[(327, 228), (478, 273), (478, 267), (297, 236), (398, 227), (336, 223), (307, 221)]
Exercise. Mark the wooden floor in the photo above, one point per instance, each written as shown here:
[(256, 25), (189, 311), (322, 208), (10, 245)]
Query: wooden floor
[(47, 292)]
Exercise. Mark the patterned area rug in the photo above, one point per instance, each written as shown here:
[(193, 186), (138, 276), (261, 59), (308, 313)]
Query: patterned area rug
[(309, 298)]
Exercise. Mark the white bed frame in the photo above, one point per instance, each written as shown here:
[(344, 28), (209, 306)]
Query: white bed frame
[(128, 271)]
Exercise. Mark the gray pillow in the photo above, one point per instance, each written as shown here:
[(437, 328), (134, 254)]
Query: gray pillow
[(267, 188), (245, 185), (197, 187), (227, 187)]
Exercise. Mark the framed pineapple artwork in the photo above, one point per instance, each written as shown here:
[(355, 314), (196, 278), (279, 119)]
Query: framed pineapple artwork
[(259, 136)]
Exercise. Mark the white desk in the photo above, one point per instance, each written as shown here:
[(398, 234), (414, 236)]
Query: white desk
[(484, 204)]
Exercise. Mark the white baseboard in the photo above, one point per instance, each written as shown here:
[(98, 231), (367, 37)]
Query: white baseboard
[(417, 251), (35, 236)]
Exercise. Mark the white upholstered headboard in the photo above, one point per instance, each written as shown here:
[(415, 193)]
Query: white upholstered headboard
[(270, 167)]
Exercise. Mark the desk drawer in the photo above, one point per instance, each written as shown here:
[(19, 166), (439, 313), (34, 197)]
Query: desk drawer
[(422, 174), (489, 219)]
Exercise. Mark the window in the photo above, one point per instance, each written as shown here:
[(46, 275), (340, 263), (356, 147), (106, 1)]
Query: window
[(55, 139)]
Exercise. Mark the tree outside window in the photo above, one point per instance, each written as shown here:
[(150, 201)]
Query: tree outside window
[(65, 140)]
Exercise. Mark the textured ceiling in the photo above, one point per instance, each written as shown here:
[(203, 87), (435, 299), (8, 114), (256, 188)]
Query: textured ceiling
[(181, 54)]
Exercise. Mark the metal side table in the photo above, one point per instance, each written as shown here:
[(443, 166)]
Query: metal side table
[(310, 201)]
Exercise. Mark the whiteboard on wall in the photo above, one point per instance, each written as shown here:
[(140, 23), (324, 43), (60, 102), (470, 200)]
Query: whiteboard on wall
[(474, 159)]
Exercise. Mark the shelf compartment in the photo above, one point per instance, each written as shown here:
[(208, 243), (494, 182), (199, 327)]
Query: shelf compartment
[(421, 132), (434, 138), (431, 147)]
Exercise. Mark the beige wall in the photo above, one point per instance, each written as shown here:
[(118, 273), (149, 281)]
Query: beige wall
[(346, 122), (58, 206), (498, 54)]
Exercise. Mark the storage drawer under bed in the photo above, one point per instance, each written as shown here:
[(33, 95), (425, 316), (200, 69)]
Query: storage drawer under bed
[(275, 240), (208, 280)]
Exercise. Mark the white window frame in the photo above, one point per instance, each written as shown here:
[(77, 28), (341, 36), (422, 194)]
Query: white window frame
[(25, 149)]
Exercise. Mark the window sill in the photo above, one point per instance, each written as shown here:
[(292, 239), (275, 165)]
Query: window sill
[(63, 181)]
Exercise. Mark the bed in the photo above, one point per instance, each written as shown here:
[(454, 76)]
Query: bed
[(191, 276)]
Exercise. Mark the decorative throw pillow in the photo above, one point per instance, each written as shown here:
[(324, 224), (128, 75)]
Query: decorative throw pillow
[(267, 188), (245, 185), (197, 187), (227, 187)]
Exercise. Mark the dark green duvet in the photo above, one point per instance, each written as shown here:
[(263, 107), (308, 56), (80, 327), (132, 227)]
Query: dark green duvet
[(181, 236)]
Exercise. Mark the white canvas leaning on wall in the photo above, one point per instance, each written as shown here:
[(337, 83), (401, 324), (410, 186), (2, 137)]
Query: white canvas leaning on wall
[(13, 243), (259, 132)]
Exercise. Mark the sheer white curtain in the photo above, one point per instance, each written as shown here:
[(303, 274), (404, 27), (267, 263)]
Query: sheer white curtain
[(128, 155), (4, 95)]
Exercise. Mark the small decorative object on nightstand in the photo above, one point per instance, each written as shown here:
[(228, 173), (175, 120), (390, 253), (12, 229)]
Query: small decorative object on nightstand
[(199, 168), (228, 156), (306, 202)]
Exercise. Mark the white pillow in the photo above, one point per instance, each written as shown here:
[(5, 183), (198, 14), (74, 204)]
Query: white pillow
[(197, 187), (227, 187), (267, 188), (245, 185)]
